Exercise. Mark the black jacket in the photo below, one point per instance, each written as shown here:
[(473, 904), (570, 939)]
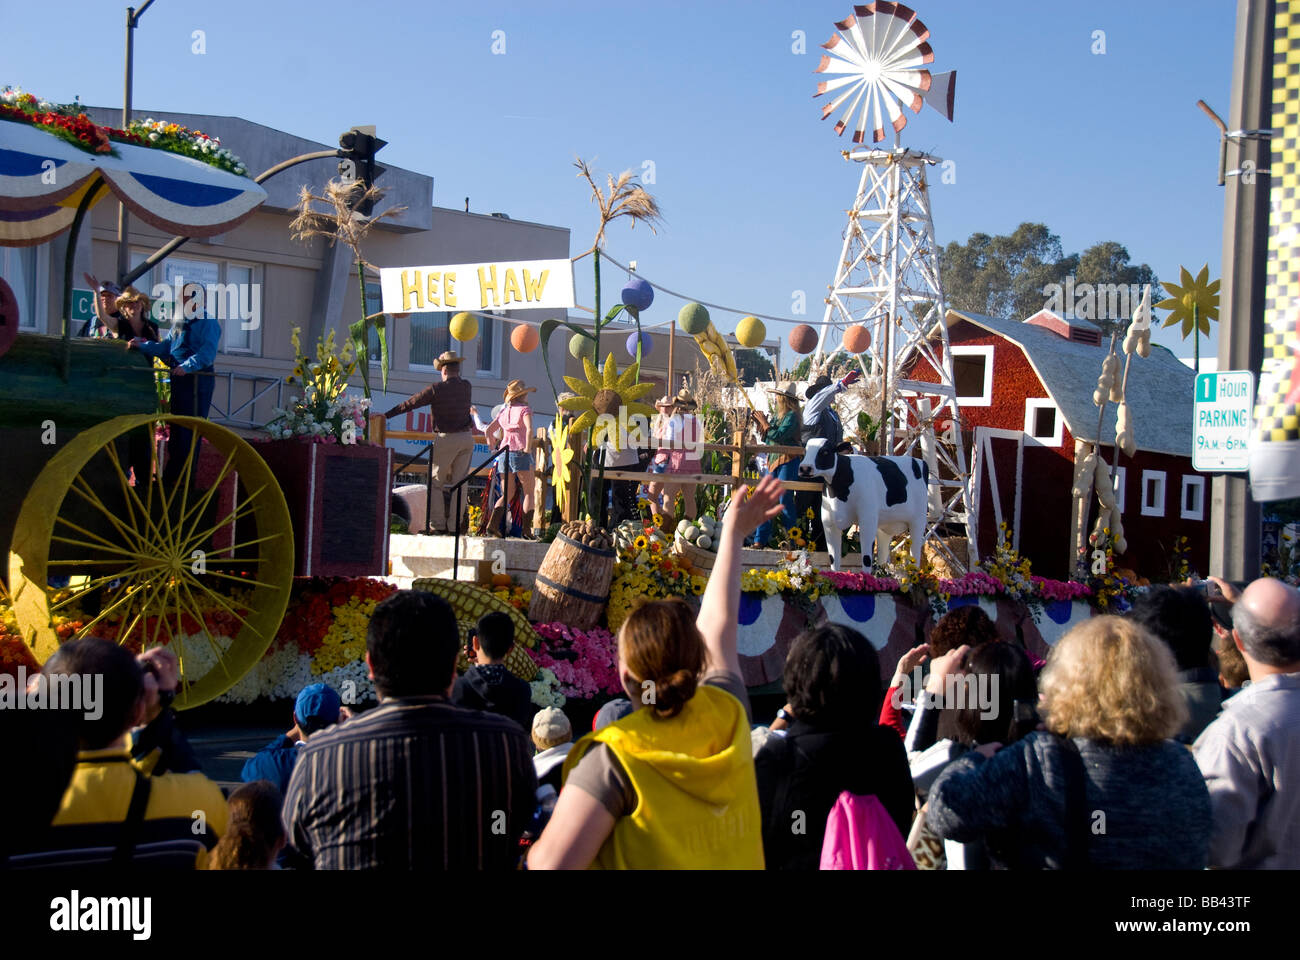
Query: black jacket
[(805, 771), (495, 689)]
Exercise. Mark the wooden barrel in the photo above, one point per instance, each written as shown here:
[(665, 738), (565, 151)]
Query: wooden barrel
[(572, 584)]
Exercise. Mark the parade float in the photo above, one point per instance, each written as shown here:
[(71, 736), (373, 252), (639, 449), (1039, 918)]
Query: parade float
[(248, 631)]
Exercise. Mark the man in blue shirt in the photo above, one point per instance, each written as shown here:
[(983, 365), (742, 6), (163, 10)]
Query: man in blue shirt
[(191, 350), (316, 708)]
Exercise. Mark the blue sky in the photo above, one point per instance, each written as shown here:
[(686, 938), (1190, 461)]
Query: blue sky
[(752, 184)]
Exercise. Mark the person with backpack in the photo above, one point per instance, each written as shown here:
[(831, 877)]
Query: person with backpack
[(827, 742), (1104, 786)]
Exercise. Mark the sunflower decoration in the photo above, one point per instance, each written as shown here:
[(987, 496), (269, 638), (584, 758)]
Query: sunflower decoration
[(1193, 302), (562, 454), (603, 396)]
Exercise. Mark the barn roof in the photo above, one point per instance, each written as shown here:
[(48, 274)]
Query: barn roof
[(1161, 388)]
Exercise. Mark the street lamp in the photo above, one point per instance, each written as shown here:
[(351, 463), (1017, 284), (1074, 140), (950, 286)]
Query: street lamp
[(123, 217)]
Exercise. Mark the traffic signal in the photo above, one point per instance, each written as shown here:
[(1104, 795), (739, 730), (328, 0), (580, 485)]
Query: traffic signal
[(357, 149)]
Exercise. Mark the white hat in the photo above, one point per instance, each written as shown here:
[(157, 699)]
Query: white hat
[(551, 728)]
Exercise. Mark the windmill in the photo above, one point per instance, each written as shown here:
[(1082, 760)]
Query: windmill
[(887, 276)]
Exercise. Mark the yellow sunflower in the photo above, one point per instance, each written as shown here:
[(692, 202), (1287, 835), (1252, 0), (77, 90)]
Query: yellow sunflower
[(1195, 302), (562, 454), (602, 396)]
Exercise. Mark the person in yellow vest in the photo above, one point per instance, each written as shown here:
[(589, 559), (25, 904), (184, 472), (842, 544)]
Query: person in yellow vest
[(671, 785)]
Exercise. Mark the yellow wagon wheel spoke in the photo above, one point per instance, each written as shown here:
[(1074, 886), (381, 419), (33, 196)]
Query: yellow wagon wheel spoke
[(202, 503), (248, 508), (82, 489), (137, 554)]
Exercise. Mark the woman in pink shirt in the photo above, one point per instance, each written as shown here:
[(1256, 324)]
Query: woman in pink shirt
[(513, 428), (685, 436)]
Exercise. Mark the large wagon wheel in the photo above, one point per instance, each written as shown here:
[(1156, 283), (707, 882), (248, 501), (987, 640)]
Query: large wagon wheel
[(148, 561)]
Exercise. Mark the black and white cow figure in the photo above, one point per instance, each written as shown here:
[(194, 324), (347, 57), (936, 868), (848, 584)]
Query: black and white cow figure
[(888, 494)]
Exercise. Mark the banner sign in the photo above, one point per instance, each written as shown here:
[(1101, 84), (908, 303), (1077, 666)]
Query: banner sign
[(503, 285)]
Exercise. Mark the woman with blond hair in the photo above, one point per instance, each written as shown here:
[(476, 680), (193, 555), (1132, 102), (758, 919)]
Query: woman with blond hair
[(1104, 787), (672, 784)]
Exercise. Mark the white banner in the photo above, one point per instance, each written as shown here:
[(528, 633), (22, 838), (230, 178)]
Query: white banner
[(504, 285)]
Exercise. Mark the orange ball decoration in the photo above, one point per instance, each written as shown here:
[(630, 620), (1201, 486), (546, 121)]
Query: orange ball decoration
[(524, 338), (857, 339), (803, 339)]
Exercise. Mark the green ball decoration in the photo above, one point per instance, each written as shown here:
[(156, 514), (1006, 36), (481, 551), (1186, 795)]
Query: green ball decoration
[(582, 346), (693, 319)]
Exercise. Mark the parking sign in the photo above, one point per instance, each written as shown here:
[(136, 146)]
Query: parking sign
[(1223, 407)]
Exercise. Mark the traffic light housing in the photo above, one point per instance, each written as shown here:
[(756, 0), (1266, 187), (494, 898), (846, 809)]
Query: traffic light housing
[(357, 149)]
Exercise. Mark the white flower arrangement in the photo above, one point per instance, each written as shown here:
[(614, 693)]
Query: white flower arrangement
[(546, 689)]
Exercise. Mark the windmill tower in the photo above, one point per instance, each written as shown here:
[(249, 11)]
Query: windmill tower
[(887, 276)]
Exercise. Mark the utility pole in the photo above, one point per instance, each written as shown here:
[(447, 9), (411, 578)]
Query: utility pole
[(123, 216), (1234, 515)]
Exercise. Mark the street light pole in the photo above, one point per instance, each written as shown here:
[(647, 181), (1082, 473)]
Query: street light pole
[(123, 216)]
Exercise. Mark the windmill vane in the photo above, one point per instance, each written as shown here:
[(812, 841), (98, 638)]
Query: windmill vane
[(881, 52)]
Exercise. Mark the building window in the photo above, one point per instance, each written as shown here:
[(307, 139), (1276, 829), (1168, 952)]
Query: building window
[(21, 269), (489, 346), (1120, 474), (1153, 493), (972, 373), (1044, 424), (1193, 498), (430, 338), (233, 296)]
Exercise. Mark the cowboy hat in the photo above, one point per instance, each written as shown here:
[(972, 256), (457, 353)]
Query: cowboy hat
[(664, 402), (818, 385), (446, 358), (684, 398), (516, 388), (787, 390)]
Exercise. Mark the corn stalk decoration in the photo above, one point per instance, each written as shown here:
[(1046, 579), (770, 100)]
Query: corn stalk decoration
[(622, 197), (345, 225)]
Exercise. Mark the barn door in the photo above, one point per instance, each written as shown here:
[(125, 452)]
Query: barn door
[(997, 468)]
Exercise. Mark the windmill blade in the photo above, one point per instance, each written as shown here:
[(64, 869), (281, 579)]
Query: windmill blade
[(896, 118), (905, 93), (830, 86), (942, 92), (912, 57), (848, 114), (831, 107), (841, 47)]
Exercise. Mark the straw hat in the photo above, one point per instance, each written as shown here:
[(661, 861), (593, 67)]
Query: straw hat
[(132, 295), (787, 390), (685, 399), (515, 389), (664, 403), (446, 358)]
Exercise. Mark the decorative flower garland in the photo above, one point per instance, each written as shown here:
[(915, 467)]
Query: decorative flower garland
[(68, 122)]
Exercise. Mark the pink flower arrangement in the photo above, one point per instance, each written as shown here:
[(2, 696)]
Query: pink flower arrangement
[(845, 582), (584, 661), (977, 583), (1061, 589)]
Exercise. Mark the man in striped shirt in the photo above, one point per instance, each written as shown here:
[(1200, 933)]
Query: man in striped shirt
[(417, 783)]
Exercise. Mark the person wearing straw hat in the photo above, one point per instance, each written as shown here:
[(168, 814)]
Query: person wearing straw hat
[(133, 311), (449, 405), (513, 429), (685, 439), (782, 431), (659, 434)]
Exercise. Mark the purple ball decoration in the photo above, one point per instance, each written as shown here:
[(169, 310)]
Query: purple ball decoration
[(638, 294), (645, 345)]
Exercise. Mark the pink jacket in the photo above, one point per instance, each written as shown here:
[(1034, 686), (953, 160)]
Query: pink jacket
[(861, 836)]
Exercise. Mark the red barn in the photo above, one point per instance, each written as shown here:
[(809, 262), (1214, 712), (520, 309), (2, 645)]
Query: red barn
[(1024, 392)]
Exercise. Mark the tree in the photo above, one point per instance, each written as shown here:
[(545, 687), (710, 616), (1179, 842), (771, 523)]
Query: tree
[(1013, 277), (753, 365)]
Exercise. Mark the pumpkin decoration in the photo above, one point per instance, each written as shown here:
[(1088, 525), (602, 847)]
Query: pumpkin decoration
[(857, 339), (524, 338)]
